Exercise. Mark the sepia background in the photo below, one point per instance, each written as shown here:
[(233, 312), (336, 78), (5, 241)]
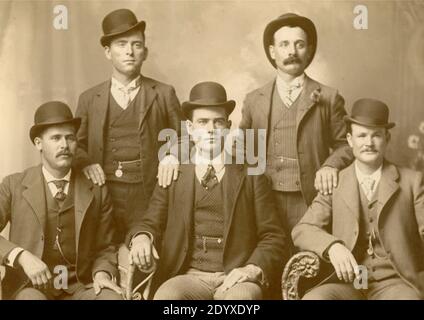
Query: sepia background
[(193, 41)]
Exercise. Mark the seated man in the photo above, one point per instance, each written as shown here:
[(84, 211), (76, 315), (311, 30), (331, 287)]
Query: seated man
[(217, 227), (60, 223), (372, 226)]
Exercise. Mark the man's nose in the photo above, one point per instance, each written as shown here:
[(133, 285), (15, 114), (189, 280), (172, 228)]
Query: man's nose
[(291, 49), (64, 143), (129, 49), (369, 141)]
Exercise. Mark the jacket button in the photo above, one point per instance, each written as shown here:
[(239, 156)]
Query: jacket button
[(42, 238), (297, 183)]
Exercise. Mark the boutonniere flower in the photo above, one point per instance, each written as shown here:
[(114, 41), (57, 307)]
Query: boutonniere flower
[(316, 95)]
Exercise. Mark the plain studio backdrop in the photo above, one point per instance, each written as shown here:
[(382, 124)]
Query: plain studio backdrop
[(193, 41)]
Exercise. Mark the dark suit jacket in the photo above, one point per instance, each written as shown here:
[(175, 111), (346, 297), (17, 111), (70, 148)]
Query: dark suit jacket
[(160, 110), (400, 220), (23, 204), (320, 127), (252, 231)]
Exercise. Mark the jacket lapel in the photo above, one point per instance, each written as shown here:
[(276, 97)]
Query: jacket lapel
[(232, 182), (83, 196), (388, 185), (348, 189), (264, 102), (149, 94), (35, 193), (184, 191), (305, 103), (101, 103)]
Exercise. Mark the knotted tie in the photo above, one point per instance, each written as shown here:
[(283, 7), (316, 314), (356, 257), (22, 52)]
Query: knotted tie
[(60, 185), (209, 180), (289, 91), (369, 183)]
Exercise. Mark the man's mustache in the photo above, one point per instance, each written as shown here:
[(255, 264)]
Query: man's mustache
[(291, 60), (64, 153), (369, 150)]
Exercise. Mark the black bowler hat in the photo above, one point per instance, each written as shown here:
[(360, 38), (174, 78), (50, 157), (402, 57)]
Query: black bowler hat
[(52, 113), (208, 94), (292, 20), (119, 22), (371, 113)]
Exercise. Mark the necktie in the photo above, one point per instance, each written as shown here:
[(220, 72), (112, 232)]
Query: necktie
[(209, 180), (60, 185), (289, 93), (369, 183), (126, 96)]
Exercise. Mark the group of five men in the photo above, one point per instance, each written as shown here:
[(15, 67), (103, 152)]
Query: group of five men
[(211, 229)]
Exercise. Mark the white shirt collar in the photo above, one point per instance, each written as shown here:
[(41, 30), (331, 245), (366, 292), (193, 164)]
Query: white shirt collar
[(201, 165), (376, 175), (130, 86), (296, 82), (49, 178)]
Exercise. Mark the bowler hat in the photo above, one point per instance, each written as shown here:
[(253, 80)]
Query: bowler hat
[(371, 113), (52, 113), (119, 22), (292, 20), (208, 94)]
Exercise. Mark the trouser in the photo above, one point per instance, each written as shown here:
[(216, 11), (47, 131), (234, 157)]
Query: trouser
[(128, 200), (201, 285), (388, 289), (82, 293), (291, 208)]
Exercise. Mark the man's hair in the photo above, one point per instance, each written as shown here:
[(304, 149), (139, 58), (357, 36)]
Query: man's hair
[(109, 41), (291, 26)]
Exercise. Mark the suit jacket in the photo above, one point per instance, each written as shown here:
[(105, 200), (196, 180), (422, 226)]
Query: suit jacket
[(400, 215), (252, 231), (160, 110), (23, 204), (319, 126)]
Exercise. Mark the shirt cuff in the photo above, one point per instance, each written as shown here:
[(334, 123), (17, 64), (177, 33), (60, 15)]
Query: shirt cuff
[(11, 257), (140, 233)]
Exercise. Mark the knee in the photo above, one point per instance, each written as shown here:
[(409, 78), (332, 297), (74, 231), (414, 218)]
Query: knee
[(251, 292), (30, 294), (108, 294)]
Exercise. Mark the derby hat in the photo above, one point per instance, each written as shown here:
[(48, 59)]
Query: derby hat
[(208, 94), (371, 113), (52, 113), (292, 20), (119, 22)]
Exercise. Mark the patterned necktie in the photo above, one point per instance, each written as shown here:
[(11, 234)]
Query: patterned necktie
[(369, 183), (209, 180), (289, 91), (60, 185)]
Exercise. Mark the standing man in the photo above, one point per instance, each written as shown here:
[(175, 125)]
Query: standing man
[(220, 234), (303, 119), (61, 224), (374, 218), (121, 120)]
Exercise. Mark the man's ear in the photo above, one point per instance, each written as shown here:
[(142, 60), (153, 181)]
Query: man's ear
[(388, 135), (271, 51), (107, 53), (189, 126), (349, 139), (37, 143), (229, 124), (146, 53)]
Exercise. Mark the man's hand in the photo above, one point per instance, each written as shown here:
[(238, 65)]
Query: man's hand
[(36, 270), (142, 252), (249, 272), (168, 170), (103, 280), (343, 262), (326, 180), (95, 173)]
